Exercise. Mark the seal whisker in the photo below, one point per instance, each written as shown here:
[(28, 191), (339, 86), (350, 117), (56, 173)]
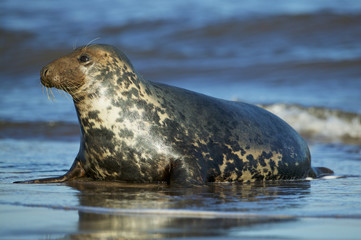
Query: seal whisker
[(97, 38), (65, 92), (69, 89), (67, 95), (74, 44), (52, 96), (47, 93)]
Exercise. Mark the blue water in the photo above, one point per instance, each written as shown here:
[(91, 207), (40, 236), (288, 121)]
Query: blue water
[(298, 59)]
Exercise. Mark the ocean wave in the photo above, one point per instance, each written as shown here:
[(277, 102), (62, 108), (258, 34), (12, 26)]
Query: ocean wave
[(321, 37), (309, 22), (62, 131), (319, 123), (291, 42)]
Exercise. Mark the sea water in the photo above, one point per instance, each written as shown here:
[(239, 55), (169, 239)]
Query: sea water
[(298, 59)]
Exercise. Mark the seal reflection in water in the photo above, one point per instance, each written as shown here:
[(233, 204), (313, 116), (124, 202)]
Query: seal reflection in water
[(134, 130)]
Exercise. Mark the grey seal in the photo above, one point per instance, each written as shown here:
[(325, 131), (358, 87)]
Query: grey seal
[(133, 130)]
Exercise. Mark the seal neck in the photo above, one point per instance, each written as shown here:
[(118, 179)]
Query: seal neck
[(111, 104)]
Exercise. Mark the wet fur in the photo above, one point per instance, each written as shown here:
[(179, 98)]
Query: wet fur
[(135, 130)]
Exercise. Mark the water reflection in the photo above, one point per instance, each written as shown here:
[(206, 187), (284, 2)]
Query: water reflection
[(267, 199)]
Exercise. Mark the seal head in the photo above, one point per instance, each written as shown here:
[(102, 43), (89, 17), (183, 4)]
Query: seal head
[(73, 71)]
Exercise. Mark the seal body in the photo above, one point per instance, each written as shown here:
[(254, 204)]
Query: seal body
[(135, 130)]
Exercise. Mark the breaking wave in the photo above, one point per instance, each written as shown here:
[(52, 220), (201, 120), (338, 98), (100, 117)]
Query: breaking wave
[(320, 124)]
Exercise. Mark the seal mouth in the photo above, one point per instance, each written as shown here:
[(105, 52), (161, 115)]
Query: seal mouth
[(46, 83)]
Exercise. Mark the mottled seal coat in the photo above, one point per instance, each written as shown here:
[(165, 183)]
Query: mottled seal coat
[(135, 130)]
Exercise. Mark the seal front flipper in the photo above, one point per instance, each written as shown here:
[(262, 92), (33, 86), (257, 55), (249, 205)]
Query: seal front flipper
[(76, 171), (319, 172), (181, 174)]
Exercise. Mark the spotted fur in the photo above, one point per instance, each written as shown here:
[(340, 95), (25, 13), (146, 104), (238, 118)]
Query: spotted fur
[(135, 130)]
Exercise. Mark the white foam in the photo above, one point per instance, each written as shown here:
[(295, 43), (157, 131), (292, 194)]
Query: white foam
[(330, 177), (320, 123)]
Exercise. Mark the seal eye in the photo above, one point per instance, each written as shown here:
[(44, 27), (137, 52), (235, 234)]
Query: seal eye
[(84, 58)]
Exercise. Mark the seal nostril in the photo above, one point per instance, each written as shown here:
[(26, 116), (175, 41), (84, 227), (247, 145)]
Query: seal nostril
[(45, 72)]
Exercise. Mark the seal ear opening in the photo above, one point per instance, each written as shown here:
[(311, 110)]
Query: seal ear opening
[(76, 171), (319, 172)]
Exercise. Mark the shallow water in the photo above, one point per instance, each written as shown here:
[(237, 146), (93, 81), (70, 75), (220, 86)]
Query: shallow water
[(298, 59), (102, 209)]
